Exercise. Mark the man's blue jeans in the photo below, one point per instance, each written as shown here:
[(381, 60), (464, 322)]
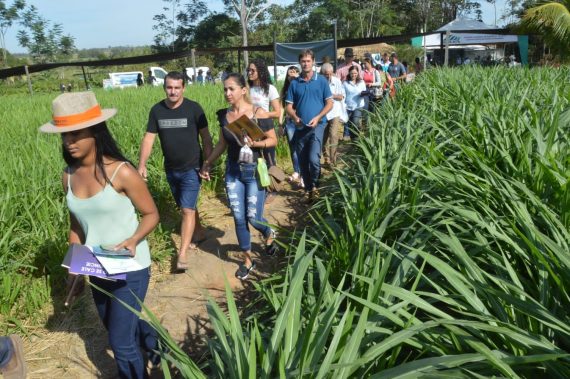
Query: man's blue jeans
[(308, 145), (246, 198), (127, 333), (290, 130)]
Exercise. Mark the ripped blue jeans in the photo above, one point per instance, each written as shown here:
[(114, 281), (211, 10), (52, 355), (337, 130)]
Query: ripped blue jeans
[(246, 198)]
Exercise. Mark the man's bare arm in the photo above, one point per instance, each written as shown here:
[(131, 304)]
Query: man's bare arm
[(145, 150)]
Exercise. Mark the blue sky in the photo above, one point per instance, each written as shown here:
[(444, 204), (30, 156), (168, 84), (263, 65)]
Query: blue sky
[(103, 23)]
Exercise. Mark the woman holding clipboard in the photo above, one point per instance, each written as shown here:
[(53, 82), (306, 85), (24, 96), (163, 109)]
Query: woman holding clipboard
[(103, 193), (244, 143)]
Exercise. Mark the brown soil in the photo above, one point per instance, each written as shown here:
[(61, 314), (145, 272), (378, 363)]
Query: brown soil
[(75, 343)]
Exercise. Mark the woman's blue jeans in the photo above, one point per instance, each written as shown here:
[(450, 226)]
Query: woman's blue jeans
[(127, 333), (246, 198), (290, 130), (354, 122)]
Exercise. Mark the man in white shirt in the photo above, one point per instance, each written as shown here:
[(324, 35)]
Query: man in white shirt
[(335, 118)]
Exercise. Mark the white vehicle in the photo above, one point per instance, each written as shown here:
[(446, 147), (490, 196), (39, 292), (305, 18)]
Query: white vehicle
[(159, 73), (122, 79), (129, 79)]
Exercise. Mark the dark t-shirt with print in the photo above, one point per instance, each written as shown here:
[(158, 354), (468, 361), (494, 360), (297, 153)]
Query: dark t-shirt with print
[(178, 132), (234, 147)]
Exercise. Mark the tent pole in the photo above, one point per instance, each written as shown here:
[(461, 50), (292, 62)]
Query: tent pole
[(447, 35), (239, 61), (274, 60), (425, 48), (335, 59), (29, 80), (195, 74), (441, 42)]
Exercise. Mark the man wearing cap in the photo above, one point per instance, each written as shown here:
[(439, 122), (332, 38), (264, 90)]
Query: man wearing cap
[(342, 70), (396, 70), (308, 100), (179, 123)]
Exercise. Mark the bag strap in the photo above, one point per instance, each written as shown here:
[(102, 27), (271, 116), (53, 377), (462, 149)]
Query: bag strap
[(233, 135), (270, 159), (254, 113)]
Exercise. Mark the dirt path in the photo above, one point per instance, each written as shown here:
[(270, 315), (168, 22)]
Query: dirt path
[(75, 346)]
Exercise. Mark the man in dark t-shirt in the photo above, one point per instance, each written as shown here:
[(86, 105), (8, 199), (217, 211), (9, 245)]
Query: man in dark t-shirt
[(179, 122)]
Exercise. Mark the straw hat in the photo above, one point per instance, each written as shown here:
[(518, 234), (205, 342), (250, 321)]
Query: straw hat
[(75, 111)]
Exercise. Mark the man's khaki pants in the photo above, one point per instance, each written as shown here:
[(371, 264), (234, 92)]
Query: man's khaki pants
[(333, 132)]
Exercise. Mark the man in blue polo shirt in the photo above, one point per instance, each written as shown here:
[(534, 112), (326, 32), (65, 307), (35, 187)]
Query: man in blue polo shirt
[(308, 100)]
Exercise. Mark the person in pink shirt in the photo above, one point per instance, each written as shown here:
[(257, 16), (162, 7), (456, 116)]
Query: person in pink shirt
[(342, 70)]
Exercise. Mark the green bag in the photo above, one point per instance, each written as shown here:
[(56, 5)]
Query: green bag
[(264, 178)]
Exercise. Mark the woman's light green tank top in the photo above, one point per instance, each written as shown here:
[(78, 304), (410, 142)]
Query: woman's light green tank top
[(107, 218)]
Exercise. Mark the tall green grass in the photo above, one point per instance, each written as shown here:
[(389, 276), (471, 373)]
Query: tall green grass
[(33, 215), (440, 251)]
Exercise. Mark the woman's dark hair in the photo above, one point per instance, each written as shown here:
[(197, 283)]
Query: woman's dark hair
[(287, 83), (105, 146), (240, 80), (353, 68), (262, 75)]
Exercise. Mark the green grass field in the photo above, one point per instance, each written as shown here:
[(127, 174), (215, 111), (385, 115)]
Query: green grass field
[(33, 216), (440, 251)]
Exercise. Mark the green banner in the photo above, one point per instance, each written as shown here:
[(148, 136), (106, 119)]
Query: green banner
[(523, 49)]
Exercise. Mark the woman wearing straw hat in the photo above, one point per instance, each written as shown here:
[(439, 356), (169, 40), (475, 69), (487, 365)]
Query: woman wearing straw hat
[(103, 190)]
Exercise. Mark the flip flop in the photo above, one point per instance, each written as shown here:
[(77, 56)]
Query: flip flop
[(272, 248), (181, 265)]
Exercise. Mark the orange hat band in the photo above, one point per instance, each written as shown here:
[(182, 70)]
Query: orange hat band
[(78, 117)]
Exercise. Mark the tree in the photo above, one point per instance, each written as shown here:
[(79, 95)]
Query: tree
[(7, 17), (552, 20), (217, 30), (276, 21), (248, 12), (175, 28), (45, 42)]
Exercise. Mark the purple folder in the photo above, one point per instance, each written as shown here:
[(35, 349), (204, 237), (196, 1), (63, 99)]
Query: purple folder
[(81, 261)]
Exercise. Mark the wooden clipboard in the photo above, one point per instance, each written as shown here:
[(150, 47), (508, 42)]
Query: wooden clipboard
[(245, 124)]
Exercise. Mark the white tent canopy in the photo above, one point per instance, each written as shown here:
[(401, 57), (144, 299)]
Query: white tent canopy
[(434, 40)]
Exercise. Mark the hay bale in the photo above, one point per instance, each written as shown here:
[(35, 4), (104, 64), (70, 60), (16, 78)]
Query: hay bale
[(373, 49)]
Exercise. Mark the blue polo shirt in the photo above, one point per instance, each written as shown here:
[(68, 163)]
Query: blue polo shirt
[(309, 97)]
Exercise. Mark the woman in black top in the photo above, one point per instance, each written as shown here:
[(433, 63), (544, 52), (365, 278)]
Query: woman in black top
[(245, 194)]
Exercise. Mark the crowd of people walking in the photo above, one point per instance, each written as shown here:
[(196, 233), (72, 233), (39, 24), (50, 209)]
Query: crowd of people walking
[(105, 191)]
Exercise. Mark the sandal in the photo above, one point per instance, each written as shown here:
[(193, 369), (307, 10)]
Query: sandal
[(181, 264), (294, 178), (243, 271), (272, 247)]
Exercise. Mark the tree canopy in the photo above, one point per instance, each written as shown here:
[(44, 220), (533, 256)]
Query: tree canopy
[(552, 20)]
